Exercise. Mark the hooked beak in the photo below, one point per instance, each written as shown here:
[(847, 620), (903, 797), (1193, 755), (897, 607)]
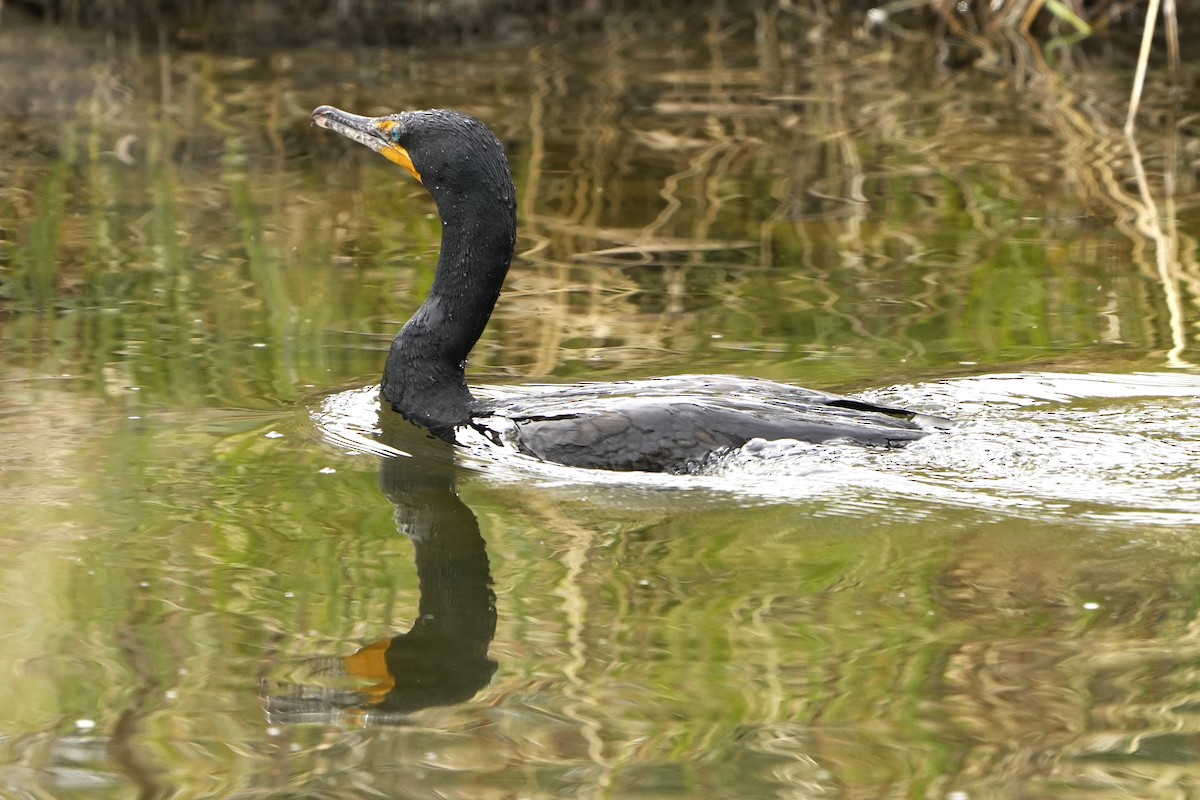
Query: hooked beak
[(373, 132)]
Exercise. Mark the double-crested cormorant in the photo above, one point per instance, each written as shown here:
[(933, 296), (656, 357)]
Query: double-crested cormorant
[(659, 425)]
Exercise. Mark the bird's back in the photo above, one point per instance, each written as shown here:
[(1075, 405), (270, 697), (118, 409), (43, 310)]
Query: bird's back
[(679, 424)]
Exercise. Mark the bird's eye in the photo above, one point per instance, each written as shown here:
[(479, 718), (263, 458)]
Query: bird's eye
[(396, 134)]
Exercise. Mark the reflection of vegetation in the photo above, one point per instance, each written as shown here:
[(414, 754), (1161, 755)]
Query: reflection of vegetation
[(823, 223), (769, 218), (831, 221), (727, 651)]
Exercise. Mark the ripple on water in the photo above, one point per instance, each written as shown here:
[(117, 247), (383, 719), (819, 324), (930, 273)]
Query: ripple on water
[(1115, 449)]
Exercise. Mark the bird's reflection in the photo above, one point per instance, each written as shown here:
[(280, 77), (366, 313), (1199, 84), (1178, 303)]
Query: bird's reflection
[(443, 658)]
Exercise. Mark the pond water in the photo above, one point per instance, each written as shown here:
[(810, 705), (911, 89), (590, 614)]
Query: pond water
[(224, 572)]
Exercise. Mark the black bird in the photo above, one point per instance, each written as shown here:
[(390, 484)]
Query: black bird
[(660, 425)]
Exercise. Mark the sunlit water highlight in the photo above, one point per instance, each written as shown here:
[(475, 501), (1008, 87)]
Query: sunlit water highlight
[(1102, 447)]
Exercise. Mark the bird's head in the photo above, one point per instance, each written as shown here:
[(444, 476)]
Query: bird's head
[(447, 151)]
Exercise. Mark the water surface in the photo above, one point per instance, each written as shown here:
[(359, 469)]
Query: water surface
[(224, 573)]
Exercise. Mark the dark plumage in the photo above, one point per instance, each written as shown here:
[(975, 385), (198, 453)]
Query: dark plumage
[(661, 425)]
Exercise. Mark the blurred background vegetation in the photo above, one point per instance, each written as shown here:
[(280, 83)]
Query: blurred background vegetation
[(255, 24)]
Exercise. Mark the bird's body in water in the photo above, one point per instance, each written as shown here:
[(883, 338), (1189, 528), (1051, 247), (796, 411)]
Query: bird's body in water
[(661, 425)]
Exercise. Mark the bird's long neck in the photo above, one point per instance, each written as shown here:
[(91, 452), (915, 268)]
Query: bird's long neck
[(424, 377)]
